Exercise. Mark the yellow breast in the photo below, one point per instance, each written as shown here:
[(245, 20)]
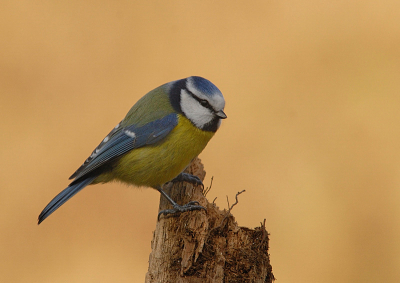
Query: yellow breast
[(159, 163)]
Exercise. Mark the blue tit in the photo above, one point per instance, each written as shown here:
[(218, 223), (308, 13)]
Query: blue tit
[(154, 143)]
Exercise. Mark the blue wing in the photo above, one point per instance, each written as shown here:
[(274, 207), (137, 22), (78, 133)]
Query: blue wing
[(126, 139), (118, 142)]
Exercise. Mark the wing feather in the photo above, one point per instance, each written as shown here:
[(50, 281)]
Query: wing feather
[(125, 140)]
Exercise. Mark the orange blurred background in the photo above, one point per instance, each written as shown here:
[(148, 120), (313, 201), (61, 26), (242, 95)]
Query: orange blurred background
[(313, 97)]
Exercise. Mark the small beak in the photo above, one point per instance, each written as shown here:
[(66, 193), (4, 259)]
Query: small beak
[(221, 114)]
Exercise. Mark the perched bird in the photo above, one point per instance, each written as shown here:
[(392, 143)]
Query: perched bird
[(154, 143)]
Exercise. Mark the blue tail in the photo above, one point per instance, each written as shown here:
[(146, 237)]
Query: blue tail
[(62, 197)]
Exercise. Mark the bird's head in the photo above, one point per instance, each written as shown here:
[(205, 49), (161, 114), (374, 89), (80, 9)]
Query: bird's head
[(199, 100)]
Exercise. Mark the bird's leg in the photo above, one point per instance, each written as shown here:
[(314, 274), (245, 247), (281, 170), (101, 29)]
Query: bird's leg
[(190, 206), (186, 177)]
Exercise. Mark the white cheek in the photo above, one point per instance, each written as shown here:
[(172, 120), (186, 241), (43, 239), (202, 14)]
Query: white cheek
[(193, 110)]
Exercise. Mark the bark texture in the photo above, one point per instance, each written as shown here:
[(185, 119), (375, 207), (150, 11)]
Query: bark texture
[(205, 247)]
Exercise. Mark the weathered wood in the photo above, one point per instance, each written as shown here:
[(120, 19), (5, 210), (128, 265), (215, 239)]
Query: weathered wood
[(205, 247)]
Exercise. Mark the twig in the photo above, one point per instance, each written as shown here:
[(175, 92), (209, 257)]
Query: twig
[(229, 209), (208, 189), (264, 233), (237, 201)]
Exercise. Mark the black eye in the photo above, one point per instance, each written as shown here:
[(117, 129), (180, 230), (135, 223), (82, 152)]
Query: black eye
[(204, 103)]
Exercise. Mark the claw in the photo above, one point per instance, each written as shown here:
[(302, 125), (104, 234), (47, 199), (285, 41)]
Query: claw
[(185, 177), (191, 206)]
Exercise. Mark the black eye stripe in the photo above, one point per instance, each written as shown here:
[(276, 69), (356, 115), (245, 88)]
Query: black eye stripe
[(203, 102)]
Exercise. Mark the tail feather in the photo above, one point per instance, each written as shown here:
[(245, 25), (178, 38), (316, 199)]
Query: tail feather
[(62, 197)]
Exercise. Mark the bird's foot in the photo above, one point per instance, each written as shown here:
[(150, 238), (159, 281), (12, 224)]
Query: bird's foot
[(186, 177), (190, 206)]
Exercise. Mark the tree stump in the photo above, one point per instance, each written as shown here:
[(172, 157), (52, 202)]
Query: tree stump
[(207, 247)]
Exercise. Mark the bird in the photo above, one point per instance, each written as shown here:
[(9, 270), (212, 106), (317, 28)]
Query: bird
[(158, 138)]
